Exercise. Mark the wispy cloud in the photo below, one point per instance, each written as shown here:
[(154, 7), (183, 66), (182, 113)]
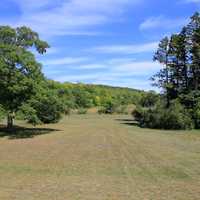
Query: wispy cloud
[(162, 22), (143, 68), (126, 49), (64, 17), (64, 61), (92, 66), (124, 72)]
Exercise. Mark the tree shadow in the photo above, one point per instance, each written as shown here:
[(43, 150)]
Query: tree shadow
[(18, 132), (129, 122)]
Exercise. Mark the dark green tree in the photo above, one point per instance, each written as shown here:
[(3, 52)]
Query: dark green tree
[(195, 53), (161, 79), (179, 79)]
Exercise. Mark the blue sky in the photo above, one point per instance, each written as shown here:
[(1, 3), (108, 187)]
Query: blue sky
[(100, 41)]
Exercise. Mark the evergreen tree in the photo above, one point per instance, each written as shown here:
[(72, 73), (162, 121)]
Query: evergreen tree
[(161, 79)]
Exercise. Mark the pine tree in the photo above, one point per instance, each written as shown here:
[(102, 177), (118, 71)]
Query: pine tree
[(162, 56)]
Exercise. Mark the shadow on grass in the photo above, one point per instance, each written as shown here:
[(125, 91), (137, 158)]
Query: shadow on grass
[(129, 122), (18, 132)]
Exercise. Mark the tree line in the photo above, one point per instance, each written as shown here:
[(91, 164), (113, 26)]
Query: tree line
[(179, 80)]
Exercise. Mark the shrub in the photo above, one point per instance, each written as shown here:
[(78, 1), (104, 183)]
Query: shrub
[(82, 111), (30, 114), (49, 109), (196, 115), (175, 117), (44, 108), (2, 113), (149, 99), (109, 107)]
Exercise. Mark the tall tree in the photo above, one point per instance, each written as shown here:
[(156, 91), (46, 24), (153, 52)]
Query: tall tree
[(178, 64), (193, 34), (20, 73), (162, 56)]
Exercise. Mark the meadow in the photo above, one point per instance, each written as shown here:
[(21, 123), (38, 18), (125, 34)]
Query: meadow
[(98, 157)]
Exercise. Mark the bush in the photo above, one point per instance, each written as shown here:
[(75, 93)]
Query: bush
[(197, 115), (29, 114), (109, 107), (149, 99), (2, 113), (44, 108), (82, 111), (175, 117)]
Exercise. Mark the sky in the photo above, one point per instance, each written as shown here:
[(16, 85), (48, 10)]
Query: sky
[(108, 42)]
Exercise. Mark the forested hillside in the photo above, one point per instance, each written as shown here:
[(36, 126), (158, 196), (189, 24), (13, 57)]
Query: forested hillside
[(87, 96)]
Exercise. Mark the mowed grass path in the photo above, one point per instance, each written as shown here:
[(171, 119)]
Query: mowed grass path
[(92, 157)]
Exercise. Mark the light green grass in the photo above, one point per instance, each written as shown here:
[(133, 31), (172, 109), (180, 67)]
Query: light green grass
[(93, 157)]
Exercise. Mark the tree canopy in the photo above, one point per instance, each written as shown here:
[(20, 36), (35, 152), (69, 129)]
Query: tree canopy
[(20, 73)]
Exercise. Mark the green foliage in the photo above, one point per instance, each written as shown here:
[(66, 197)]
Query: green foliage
[(180, 55), (149, 99), (20, 73), (29, 114), (45, 107), (77, 96), (175, 117), (2, 113), (196, 114), (108, 108), (82, 98), (179, 79), (112, 107)]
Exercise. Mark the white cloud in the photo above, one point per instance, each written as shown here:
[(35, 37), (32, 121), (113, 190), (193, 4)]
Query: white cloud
[(64, 61), (117, 61), (144, 68), (162, 22), (126, 49), (121, 72), (69, 16), (92, 66)]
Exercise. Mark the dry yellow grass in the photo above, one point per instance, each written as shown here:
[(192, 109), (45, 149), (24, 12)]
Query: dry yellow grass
[(92, 157)]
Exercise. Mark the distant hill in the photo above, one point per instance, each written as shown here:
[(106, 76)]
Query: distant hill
[(90, 95)]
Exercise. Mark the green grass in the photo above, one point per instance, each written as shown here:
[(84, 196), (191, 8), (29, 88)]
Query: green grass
[(98, 157)]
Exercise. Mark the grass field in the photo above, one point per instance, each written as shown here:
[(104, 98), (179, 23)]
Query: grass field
[(92, 157)]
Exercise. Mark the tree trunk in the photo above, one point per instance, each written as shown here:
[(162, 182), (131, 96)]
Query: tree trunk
[(10, 120)]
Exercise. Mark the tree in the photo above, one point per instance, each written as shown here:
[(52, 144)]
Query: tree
[(45, 107), (162, 56), (180, 81), (195, 52), (181, 56), (20, 73)]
